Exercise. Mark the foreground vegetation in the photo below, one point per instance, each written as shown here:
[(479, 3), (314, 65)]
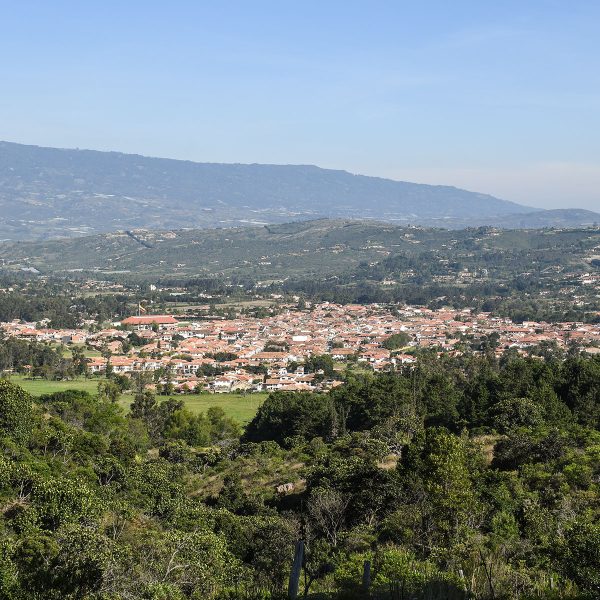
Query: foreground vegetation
[(461, 478)]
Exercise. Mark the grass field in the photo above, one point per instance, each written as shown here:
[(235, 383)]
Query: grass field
[(37, 387), (240, 407), (237, 406)]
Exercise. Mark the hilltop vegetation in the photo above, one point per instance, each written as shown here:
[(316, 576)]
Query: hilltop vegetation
[(465, 477)]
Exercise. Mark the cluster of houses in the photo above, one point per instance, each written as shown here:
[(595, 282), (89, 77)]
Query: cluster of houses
[(264, 354)]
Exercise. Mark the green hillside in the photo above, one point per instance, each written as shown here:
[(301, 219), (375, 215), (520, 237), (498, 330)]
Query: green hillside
[(292, 250)]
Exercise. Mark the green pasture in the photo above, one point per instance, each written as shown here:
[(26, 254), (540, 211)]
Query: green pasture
[(241, 407), (37, 387)]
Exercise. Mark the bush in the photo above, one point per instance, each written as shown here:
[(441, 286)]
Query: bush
[(15, 412)]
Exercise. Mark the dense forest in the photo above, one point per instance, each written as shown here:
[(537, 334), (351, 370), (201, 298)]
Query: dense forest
[(467, 477)]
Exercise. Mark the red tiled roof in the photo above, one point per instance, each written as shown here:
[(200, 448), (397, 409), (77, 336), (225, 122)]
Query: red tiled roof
[(149, 319)]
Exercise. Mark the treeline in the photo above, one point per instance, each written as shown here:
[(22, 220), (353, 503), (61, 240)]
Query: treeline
[(61, 309), (519, 299), (40, 360), (461, 478), (480, 394)]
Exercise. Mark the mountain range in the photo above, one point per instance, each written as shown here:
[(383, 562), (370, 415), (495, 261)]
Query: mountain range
[(51, 193)]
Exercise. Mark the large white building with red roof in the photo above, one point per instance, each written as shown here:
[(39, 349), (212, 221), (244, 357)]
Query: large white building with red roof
[(147, 321)]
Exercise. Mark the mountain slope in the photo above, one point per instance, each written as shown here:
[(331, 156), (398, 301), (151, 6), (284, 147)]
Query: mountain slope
[(49, 192), (310, 249)]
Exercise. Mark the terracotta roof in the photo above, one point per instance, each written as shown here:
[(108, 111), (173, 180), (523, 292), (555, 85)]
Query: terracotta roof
[(149, 319)]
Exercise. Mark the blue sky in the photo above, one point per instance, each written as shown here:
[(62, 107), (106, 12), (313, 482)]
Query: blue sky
[(497, 96)]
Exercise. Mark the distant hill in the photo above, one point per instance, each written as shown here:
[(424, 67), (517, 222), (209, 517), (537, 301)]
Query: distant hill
[(310, 249), (571, 217), (49, 192), (539, 219)]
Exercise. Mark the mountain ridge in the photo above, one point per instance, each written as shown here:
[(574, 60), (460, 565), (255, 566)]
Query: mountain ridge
[(49, 192)]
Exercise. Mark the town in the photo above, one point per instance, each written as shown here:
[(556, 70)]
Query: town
[(304, 348)]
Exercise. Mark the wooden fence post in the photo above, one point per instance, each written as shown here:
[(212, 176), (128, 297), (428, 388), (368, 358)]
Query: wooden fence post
[(296, 569), (366, 580)]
